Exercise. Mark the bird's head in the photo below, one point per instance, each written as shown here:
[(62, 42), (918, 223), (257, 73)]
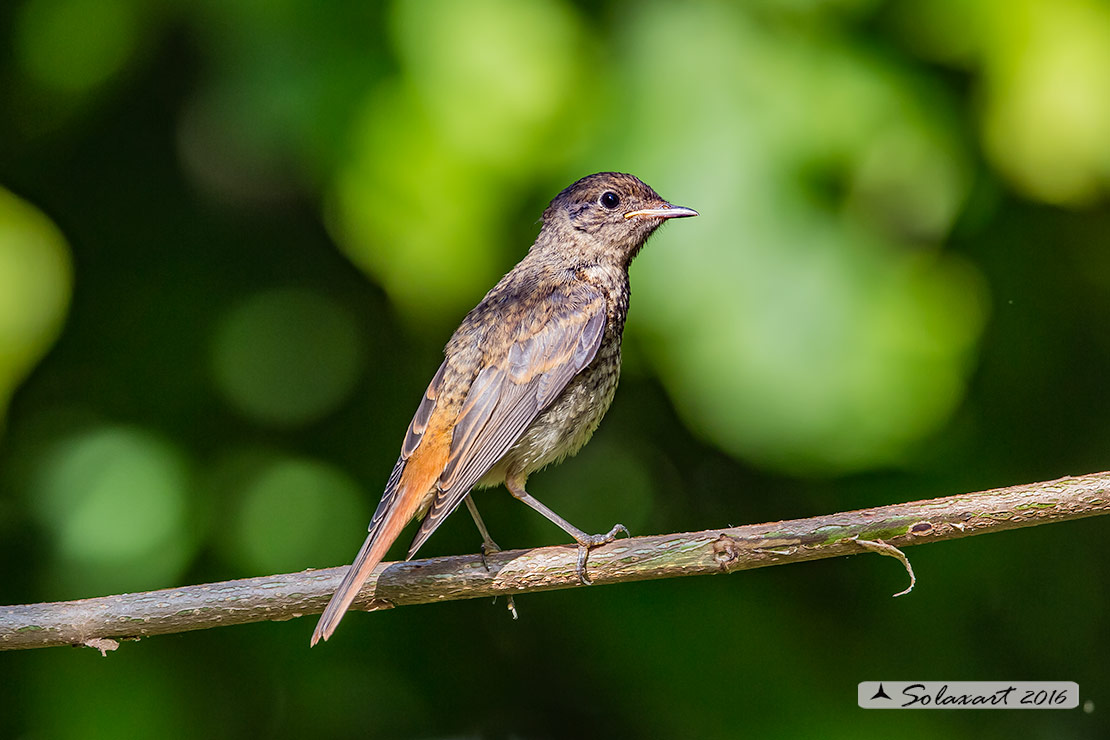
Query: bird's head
[(609, 212)]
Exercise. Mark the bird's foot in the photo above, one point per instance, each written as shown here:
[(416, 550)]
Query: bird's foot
[(590, 541), (489, 547)]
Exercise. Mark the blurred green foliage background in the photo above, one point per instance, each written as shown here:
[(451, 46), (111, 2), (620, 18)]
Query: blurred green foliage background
[(234, 237)]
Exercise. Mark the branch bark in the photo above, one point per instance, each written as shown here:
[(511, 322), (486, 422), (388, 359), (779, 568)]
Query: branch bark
[(100, 621)]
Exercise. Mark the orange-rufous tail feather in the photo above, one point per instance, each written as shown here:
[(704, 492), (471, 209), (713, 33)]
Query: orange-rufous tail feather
[(417, 479)]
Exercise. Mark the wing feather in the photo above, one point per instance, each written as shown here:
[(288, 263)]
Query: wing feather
[(510, 392)]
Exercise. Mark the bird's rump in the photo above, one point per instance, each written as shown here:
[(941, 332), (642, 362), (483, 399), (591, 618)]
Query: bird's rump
[(419, 423)]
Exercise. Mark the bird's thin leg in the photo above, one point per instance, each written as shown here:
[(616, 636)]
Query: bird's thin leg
[(488, 545), (585, 541)]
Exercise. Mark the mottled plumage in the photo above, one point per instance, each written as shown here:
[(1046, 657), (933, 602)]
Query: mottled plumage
[(527, 376)]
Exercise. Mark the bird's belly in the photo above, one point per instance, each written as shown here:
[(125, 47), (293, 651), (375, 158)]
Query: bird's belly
[(565, 426)]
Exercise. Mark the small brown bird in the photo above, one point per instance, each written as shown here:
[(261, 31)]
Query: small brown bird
[(527, 376)]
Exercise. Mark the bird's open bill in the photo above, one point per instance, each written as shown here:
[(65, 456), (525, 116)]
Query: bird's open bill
[(665, 211)]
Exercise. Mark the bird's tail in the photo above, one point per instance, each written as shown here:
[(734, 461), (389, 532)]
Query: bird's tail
[(401, 502)]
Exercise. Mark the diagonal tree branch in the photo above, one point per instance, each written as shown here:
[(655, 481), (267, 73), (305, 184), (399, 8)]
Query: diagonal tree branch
[(100, 621)]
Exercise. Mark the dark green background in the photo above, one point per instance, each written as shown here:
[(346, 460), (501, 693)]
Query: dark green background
[(273, 215)]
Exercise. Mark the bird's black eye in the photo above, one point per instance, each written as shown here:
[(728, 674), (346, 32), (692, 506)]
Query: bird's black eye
[(609, 199)]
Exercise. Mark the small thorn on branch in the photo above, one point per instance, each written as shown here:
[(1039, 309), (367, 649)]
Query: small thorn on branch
[(103, 644)]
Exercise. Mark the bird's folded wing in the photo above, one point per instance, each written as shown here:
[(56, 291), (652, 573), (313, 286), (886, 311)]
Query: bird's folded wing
[(509, 393)]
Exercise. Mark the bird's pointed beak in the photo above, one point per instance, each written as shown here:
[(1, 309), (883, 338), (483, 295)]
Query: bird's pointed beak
[(663, 210)]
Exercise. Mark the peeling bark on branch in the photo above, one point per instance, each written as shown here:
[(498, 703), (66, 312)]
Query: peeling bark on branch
[(99, 621)]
